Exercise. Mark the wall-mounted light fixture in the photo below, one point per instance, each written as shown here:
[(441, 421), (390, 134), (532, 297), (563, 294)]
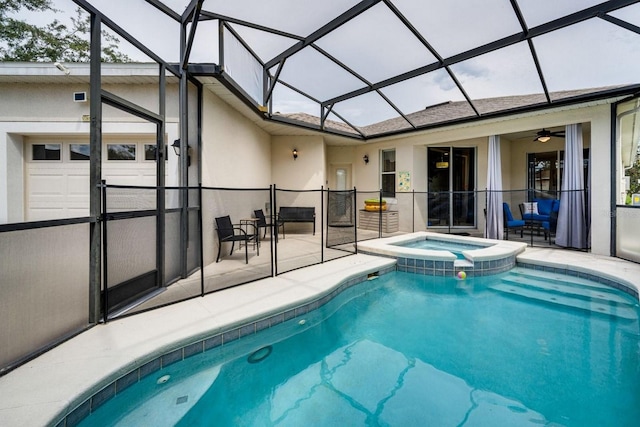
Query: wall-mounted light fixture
[(176, 149), (295, 153), (366, 159)]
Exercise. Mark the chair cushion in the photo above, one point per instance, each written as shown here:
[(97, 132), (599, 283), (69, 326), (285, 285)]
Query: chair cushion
[(545, 206), (507, 211), (536, 217)]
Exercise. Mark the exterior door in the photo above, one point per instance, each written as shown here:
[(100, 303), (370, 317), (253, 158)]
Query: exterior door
[(340, 177), (451, 173)]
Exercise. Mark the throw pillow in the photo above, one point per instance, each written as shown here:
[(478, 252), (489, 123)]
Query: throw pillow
[(531, 208)]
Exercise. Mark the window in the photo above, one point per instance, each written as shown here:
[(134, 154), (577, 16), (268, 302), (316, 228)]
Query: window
[(627, 129), (150, 152), (46, 151), (79, 151), (388, 178), (121, 152)]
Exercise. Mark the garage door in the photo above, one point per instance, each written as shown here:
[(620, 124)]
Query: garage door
[(57, 174)]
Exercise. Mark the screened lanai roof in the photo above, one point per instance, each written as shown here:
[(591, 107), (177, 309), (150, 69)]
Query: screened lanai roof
[(376, 67)]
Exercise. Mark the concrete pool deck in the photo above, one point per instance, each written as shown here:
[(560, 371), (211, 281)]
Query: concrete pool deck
[(43, 390)]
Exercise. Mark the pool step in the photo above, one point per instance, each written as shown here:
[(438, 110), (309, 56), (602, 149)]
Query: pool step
[(563, 279), (625, 312), (568, 291)]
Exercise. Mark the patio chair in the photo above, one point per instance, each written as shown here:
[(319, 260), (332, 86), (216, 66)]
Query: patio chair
[(510, 222), (541, 213), (262, 222), (228, 232), (540, 210), (550, 226)]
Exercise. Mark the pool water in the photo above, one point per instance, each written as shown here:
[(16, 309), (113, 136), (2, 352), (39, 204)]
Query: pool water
[(515, 349), (443, 245)]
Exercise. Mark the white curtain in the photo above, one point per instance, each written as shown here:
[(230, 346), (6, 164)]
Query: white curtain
[(572, 223), (494, 222)]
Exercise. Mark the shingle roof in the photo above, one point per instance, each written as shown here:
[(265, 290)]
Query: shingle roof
[(448, 112), (308, 119)]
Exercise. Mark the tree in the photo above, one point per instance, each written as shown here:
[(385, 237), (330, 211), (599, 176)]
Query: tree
[(634, 177), (28, 42)]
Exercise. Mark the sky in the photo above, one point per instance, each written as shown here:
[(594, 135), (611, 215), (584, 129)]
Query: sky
[(376, 45)]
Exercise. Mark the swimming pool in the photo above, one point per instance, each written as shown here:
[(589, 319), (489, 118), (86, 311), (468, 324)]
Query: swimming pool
[(519, 348)]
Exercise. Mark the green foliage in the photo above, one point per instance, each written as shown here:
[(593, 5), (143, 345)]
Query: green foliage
[(27, 42), (634, 176)]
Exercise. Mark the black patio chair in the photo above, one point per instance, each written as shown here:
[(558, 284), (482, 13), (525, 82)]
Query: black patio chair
[(262, 222), (228, 232)]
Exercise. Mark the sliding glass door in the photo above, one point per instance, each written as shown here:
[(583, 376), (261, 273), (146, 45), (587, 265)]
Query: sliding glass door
[(545, 173), (452, 180)]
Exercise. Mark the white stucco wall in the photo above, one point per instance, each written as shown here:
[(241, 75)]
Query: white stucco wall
[(366, 177), (13, 191), (235, 152), (601, 181), (54, 102), (307, 172)]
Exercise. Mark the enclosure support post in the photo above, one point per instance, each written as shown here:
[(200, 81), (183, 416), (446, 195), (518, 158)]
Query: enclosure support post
[(321, 224), (355, 220), (105, 255), (272, 202), (201, 239), (274, 231), (96, 188)]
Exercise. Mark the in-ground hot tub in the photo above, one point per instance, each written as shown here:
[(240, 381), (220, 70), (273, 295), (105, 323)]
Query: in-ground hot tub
[(444, 254)]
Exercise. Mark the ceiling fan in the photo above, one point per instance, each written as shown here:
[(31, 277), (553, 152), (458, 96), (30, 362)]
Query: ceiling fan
[(545, 135)]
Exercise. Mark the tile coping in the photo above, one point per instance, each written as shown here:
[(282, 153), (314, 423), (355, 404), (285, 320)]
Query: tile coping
[(493, 256), (492, 250)]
